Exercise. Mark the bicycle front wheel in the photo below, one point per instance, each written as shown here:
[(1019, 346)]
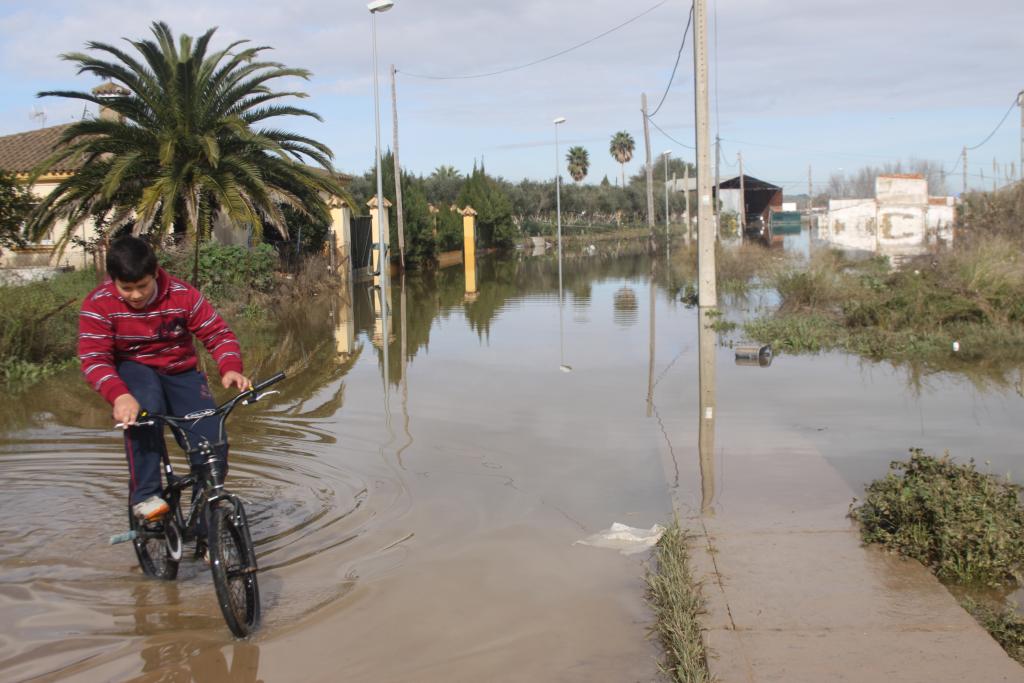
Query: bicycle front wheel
[(233, 565), (157, 546)]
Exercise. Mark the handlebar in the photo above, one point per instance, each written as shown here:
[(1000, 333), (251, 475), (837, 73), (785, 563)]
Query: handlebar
[(248, 396)]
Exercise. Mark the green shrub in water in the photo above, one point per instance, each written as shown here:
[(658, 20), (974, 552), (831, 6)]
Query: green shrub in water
[(225, 270), (967, 526)]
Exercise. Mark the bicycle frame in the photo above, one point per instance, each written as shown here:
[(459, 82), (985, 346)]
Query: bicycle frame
[(207, 476)]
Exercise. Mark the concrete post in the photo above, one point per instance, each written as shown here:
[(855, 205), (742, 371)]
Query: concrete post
[(469, 251), (341, 226), (706, 419), (706, 285), (686, 189), (376, 235)]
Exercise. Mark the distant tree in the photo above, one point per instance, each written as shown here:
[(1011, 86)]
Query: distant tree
[(16, 202), (621, 148), (184, 145), (443, 185), (494, 210), (579, 163)]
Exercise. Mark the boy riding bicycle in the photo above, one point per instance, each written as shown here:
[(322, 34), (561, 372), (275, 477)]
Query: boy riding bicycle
[(135, 345)]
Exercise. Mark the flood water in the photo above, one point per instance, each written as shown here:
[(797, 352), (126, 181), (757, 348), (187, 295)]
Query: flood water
[(415, 519)]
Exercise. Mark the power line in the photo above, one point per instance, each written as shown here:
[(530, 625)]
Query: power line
[(536, 61), (998, 126), (679, 54), (681, 144)]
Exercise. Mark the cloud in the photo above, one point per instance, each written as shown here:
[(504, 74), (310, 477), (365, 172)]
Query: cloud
[(854, 74)]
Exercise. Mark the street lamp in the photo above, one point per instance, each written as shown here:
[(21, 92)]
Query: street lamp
[(375, 7), (558, 210), (382, 259), (667, 153), (558, 195)]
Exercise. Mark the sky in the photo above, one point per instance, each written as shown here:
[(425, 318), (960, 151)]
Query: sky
[(796, 86)]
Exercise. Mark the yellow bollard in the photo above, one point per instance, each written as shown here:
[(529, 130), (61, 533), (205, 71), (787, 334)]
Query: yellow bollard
[(469, 251)]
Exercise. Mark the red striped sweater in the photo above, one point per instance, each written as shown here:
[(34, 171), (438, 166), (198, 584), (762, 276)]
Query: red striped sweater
[(159, 335)]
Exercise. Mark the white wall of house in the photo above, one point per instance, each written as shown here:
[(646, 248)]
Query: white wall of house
[(902, 218), (43, 253), (730, 199), (851, 224)]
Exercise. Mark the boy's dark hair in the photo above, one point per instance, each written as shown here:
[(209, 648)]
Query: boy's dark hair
[(130, 259)]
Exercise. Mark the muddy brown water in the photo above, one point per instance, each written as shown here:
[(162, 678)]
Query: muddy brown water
[(416, 520)]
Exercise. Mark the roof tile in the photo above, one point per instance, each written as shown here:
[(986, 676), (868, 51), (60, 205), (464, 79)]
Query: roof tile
[(22, 152)]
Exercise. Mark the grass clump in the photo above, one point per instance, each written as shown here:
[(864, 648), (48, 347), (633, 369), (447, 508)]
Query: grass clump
[(677, 603), (967, 526), (1005, 625)]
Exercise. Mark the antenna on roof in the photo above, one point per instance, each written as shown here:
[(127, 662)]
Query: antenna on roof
[(38, 115)]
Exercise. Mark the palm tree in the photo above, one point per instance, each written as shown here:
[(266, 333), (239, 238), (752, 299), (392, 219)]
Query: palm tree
[(579, 163), (621, 149), (181, 145)]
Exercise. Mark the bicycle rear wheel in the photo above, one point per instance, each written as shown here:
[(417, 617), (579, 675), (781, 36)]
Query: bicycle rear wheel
[(233, 565), (157, 546)]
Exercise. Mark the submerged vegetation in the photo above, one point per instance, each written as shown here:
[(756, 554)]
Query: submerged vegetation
[(964, 525), (963, 305), (677, 603), (960, 305)]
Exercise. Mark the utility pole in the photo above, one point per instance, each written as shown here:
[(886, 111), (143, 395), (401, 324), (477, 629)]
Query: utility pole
[(706, 286), (718, 179), (743, 195), (686, 191), (965, 169), (398, 171), (995, 173), (649, 169), (810, 190), (1020, 103), (666, 194)]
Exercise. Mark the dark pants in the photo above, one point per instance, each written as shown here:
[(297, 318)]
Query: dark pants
[(175, 395)]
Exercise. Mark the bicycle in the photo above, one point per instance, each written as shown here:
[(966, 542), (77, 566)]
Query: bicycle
[(159, 544)]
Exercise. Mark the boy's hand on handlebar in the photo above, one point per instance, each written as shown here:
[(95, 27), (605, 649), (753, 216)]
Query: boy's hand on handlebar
[(126, 410), (237, 379)]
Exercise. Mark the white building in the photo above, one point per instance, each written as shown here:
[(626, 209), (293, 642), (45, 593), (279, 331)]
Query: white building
[(900, 219)]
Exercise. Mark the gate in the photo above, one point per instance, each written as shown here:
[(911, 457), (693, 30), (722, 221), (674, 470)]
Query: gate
[(362, 245)]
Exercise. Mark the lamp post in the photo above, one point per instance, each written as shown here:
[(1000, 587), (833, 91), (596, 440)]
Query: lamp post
[(382, 260), (558, 196), (558, 211), (375, 7), (667, 153)]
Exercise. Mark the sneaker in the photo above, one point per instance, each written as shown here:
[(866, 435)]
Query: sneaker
[(151, 509), (203, 552)]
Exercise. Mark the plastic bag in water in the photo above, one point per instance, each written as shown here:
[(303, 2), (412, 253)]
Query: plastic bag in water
[(626, 539)]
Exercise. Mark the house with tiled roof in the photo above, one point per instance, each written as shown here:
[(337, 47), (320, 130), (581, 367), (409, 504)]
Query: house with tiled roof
[(20, 153)]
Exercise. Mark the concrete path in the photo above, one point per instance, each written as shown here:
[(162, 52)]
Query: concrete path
[(793, 597)]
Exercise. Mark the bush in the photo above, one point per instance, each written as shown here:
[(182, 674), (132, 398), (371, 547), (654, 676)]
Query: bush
[(39, 320), (967, 526), (225, 271)]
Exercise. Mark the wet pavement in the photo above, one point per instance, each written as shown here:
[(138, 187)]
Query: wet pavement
[(415, 515)]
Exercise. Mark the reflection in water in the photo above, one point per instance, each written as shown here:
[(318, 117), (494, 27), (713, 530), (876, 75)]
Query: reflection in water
[(706, 437), (650, 336), (625, 307), (561, 319)]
